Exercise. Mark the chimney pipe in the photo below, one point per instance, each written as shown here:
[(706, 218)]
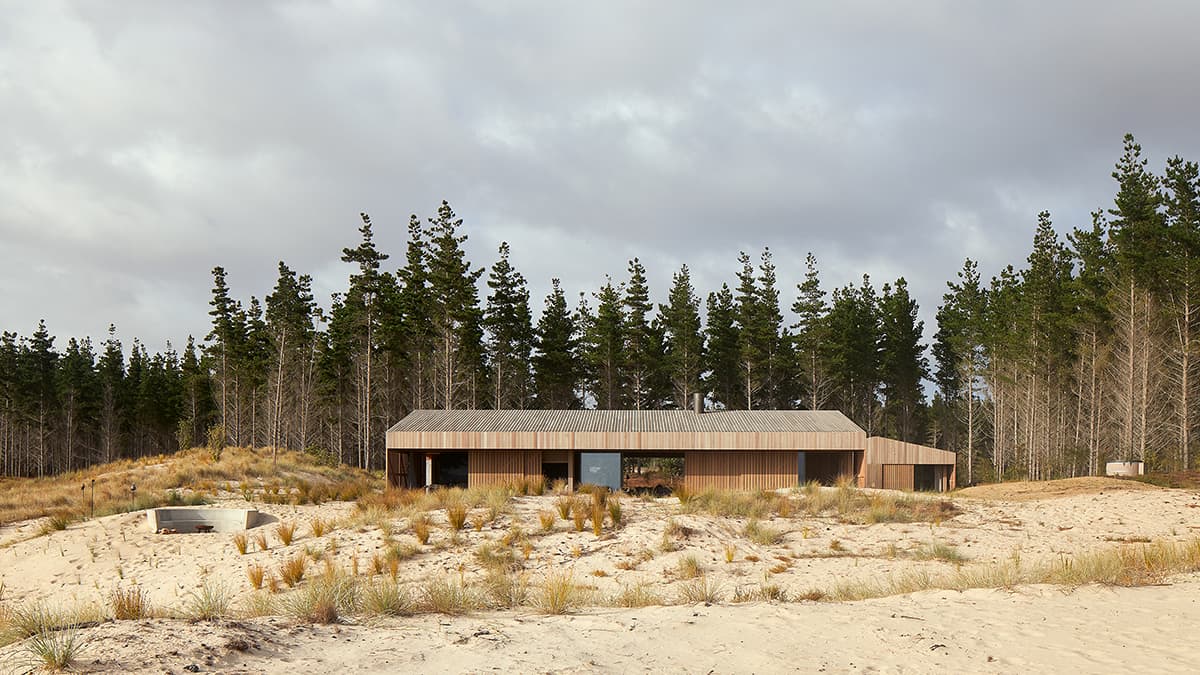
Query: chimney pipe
[(697, 404)]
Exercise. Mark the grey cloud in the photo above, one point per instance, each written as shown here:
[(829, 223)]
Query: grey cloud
[(145, 143)]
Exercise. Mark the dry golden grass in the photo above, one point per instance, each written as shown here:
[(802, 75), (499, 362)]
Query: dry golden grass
[(447, 595), (129, 604), (286, 532), (547, 519), (640, 594), (241, 542), (563, 504), (255, 573), (319, 526), (260, 539), (291, 571), (558, 594), (421, 528), (689, 567), (456, 515), (163, 479), (700, 589), (762, 534)]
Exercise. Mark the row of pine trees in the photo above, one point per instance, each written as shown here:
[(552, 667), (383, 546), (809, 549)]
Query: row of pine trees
[(1084, 354)]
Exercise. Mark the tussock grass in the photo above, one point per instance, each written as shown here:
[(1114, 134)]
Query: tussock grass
[(53, 650), (255, 573), (700, 589), (319, 526), (580, 510), (640, 594), (258, 604), (286, 532), (241, 542), (447, 595), (563, 504), (614, 511), (689, 567), (456, 515), (291, 571), (129, 604), (18, 622), (762, 534), (56, 522), (730, 503), (730, 552), (505, 590), (494, 556), (558, 594), (323, 599), (209, 603), (260, 540), (421, 527), (547, 519), (385, 597), (939, 551)]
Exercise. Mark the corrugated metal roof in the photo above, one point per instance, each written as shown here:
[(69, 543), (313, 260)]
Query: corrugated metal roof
[(604, 421)]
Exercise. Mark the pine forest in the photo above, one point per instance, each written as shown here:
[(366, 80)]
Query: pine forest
[(1079, 354)]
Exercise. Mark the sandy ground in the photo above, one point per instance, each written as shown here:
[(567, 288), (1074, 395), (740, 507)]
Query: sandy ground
[(1031, 629)]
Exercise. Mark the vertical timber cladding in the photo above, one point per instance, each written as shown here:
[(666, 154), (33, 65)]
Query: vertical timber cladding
[(740, 470), (898, 476), (502, 467)]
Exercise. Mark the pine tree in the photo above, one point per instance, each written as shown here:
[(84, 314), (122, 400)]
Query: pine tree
[(364, 300), (638, 361), (556, 362), (750, 338), (290, 326), (223, 339), (778, 365), (411, 340), (958, 351), (684, 342), (854, 351), (903, 365), (78, 392), (1181, 201), (455, 314), (1091, 326), (604, 347), (508, 322), (810, 340), (722, 355)]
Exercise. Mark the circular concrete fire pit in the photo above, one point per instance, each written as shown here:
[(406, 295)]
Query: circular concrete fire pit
[(189, 520)]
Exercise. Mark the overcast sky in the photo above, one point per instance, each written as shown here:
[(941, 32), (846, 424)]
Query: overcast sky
[(142, 143)]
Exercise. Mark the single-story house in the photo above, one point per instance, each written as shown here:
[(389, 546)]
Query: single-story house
[(725, 449)]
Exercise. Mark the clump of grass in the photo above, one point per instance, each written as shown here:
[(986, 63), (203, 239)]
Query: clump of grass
[(700, 589), (386, 598), (286, 531), (563, 505), (241, 542), (640, 594), (731, 503), (547, 519), (614, 511), (209, 603), (55, 522), (730, 552), (319, 526), (506, 590), (323, 600), (53, 650), (494, 556), (292, 570), (421, 528), (448, 596), (478, 521), (940, 551), (683, 494), (456, 515), (836, 545), (762, 534), (260, 540), (689, 567), (579, 513), (256, 573), (764, 592), (129, 604), (557, 593), (259, 604)]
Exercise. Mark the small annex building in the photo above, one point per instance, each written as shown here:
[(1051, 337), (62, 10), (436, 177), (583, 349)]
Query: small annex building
[(723, 449)]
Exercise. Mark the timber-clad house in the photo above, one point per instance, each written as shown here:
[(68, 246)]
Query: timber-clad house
[(724, 449)]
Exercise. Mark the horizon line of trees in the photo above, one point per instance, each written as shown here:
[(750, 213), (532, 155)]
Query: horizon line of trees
[(1085, 353)]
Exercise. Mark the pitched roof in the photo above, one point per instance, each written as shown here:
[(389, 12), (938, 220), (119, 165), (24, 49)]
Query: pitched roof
[(617, 421)]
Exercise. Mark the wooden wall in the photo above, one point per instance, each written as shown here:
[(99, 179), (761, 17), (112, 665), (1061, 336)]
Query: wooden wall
[(888, 451), (740, 470), (502, 468), (897, 476)]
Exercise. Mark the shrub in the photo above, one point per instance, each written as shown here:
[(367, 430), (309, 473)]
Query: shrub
[(292, 570), (286, 531), (240, 542), (129, 604), (215, 441)]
